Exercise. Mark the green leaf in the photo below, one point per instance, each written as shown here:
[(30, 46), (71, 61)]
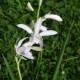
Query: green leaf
[(9, 69), (58, 63)]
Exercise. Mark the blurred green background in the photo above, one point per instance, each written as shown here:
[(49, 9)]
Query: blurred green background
[(13, 12)]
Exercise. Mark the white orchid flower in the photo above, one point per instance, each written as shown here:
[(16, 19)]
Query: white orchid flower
[(29, 6), (52, 16), (24, 50), (37, 36)]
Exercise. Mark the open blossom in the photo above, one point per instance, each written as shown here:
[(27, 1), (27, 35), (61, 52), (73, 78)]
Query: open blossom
[(29, 6), (37, 31), (24, 49), (36, 36)]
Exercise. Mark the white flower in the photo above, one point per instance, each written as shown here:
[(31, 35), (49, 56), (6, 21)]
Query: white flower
[(24, 49), (52, 16), (36, 38), (29, 6), (37, 35)]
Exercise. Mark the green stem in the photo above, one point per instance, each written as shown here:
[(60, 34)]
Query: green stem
[(61, 55), (70, 58), (38, 12), (18, 64), (41, 56), (38, 64), (19, 69)]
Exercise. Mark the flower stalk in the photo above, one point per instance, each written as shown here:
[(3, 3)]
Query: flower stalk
[(38, 12), (18, 67), (36, 37)]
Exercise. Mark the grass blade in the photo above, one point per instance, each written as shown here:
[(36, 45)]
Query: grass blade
[(61, 55), (8, 68)]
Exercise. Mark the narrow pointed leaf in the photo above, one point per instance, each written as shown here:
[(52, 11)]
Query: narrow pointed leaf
[(58, 63), (9, 69)]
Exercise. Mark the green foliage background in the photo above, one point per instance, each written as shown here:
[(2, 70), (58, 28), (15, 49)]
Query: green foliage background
[(13, 12)]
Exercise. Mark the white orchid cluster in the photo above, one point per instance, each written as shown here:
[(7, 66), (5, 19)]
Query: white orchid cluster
[(36, 35)]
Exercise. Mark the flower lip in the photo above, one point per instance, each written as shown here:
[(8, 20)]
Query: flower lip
[(28, 54)]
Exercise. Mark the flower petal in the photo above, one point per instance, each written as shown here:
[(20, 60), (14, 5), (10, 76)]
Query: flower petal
[(48, 33), (28, 55), (43, 28), (37, 39), (28, 44), (38, 26), (25, 27), (16, 48), (20, 50), (17, 45), (29, 6), (36, 48), (20, 41), (53, 16)]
